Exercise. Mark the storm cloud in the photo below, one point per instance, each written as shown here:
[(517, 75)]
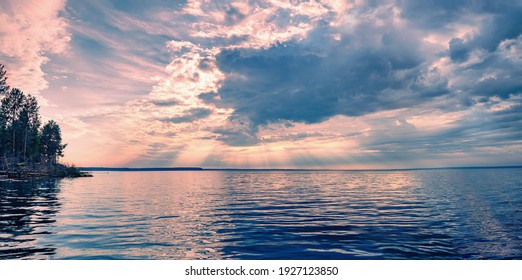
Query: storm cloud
[(375, 66)]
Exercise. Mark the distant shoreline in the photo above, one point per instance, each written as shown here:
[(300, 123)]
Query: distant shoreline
[(142, 169)]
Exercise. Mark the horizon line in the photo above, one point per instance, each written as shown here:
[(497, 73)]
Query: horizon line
[(195, 168)]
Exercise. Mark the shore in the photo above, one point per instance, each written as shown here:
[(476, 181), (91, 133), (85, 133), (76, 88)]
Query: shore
[(30, 175)]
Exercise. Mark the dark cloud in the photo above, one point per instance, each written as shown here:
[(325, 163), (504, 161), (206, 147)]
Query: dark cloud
[(269, 87), (372, 68), (208, 96), (165, 103), (458, 50), (441, 14), (190, 116), (233, 15), (140, 7), (237, 132), (504, 24), (435, 14), (236, 137), (496, 21), (291, 83), (497, 73)]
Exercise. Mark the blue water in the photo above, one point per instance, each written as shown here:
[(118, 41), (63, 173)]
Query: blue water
[(424, 214)]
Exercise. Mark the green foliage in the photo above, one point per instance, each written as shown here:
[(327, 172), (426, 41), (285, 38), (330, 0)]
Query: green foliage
[(22, 139)]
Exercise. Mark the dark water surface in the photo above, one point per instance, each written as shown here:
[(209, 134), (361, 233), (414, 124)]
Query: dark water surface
[(425, 214)]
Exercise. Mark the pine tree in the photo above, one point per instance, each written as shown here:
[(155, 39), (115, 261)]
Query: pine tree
[(22, 139), (51, 142), (12, 106), (4, 88), (29, 124)]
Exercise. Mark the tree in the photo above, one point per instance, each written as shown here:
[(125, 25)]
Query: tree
[(2, 133), (51, 146), (29, 125), (3, 84), (22, 142), (12, 106), (3, 89)]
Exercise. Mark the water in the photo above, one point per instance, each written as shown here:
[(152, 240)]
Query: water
[(427, 214)]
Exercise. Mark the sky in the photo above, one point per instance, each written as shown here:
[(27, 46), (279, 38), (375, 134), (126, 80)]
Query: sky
[(273, 84)]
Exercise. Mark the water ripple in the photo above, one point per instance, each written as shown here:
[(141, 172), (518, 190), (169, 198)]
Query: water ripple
[(431, 214)]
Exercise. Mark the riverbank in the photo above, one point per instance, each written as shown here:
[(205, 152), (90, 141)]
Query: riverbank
[(42, 172)]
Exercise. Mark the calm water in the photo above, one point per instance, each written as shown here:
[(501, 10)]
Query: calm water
[(430, 214)]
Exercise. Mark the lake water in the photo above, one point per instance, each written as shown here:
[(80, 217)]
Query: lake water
[(424, 214)]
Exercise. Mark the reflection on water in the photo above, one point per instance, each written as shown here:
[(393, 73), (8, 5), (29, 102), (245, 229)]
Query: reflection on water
[(431, 214), (25, 211)]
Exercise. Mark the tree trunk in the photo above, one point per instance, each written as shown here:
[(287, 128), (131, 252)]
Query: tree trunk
[(25, 142), (14, 143)]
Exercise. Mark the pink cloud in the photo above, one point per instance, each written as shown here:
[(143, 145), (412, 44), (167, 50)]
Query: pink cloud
[(29, 31)]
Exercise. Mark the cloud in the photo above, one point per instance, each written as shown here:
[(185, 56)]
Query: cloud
[(157, 154), (190, 116), (275, 83), (293, 82), (458, 50), (382, 62), (437, 14), (165, 103), (295, 137), (31, 31), (237, 131), (485, 74)]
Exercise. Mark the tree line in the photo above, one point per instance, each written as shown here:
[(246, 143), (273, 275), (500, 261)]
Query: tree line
[(23, 139)]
